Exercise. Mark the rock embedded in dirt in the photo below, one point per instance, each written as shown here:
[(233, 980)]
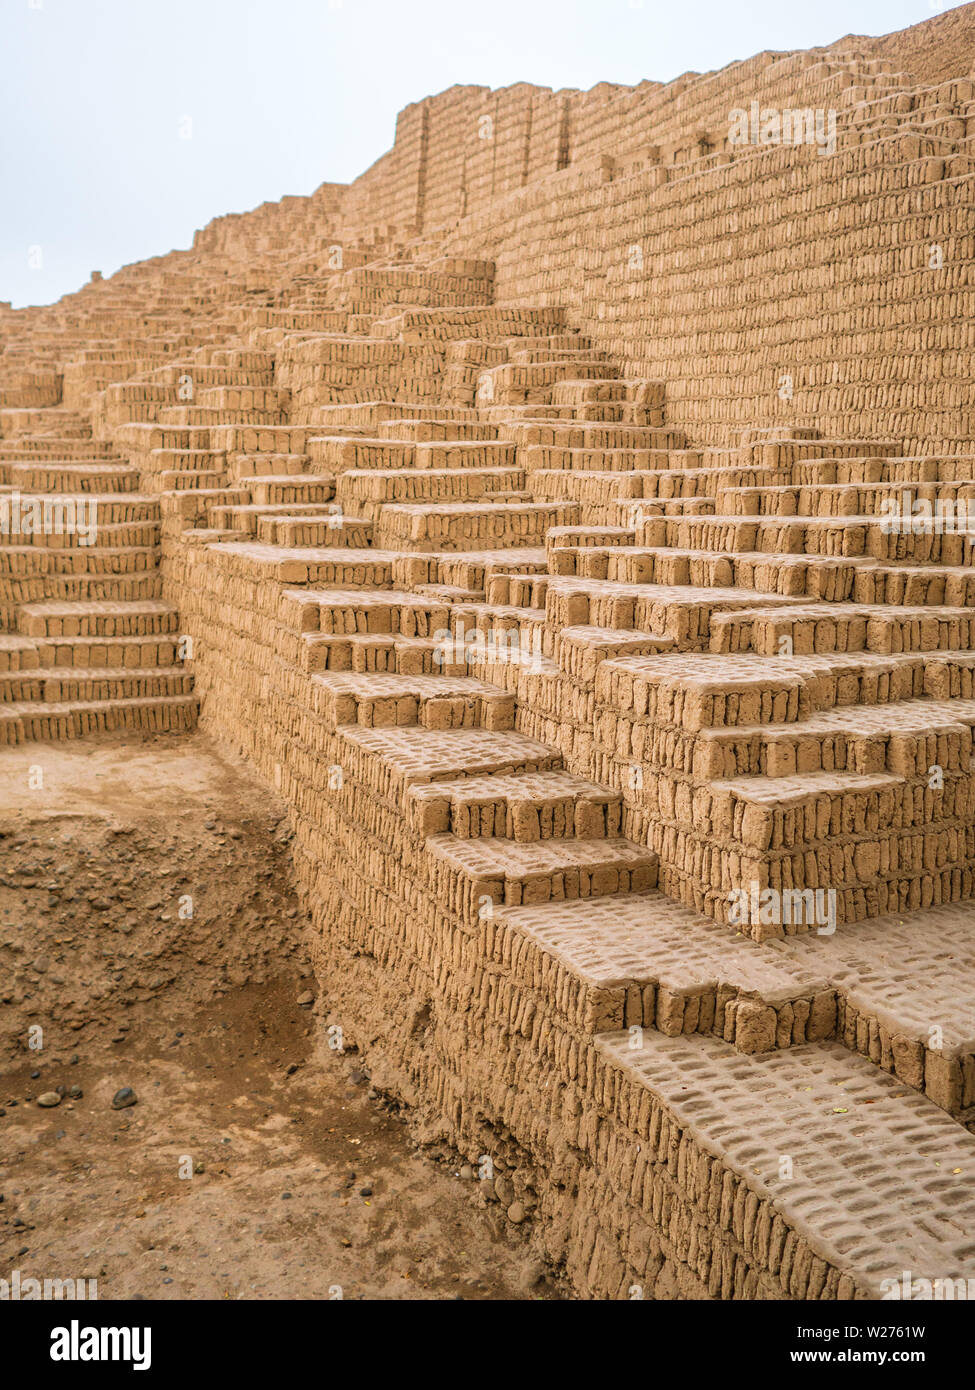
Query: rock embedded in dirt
[(516, 1213), (49, 1099), (124, 1098)]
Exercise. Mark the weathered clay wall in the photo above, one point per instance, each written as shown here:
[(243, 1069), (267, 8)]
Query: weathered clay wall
[(458, 1017), (782, 289), (766, 285)]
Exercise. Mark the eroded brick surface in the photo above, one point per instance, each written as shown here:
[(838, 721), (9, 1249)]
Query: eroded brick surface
[(628, 749)]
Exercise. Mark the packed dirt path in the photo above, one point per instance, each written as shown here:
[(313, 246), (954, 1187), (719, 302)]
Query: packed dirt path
[(305, 1182)]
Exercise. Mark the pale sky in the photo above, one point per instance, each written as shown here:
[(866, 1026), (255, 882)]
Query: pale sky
[(127, 124)]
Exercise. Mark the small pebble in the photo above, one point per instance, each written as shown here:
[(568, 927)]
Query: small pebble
[(49, 1099), (124, 1098)]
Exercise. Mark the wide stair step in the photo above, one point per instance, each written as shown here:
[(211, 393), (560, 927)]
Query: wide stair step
[(104, 654), (470, 876), (38, 721), (543, 806), (97, 619), (434, 702), (66, 684), (414, 755)]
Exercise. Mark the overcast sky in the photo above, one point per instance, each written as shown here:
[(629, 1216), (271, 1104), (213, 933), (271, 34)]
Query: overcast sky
[(126, 124)]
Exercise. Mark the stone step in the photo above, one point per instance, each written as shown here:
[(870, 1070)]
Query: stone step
[(296, 528), (97, 619), (75, 588), (918, 506), (907, 738), (413, 755), (61, 685), (181, 417), (23, 562), (422, 429), (669, 471), (277, 489), (363, 653), (813, 577), (369, 493), (525, 809), (21, 653), (579, 650), (433, 702), (589, 435), (243, 467), (171, 480), (241, 401), (244, 518), (470, 526), (27, 721), (847, 536), (338, 455), (470, 876), (531, 383), (85, 531), (348, 611), (63, 477), (806, 628), (641, 960), (862, 1146), (689, 691), (683, 612)]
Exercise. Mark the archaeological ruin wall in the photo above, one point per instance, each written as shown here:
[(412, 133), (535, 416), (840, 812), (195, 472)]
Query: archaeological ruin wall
[(518, 511), (776, 285)]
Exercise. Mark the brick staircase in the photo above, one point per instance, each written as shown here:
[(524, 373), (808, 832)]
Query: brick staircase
[(631, 772), (553, 718), (86, 643)]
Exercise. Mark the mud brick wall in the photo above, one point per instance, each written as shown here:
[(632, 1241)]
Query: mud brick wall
[(548, 140), (783, 264), (460, 1017), (452, 117), (767, 285)]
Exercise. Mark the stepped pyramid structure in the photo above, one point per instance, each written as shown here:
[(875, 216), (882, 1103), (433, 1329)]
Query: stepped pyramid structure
[(522, 511)]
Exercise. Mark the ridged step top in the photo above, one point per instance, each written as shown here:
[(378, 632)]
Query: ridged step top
[(879, 1180)]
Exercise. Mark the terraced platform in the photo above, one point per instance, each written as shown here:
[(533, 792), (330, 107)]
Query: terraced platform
[(624, 722)]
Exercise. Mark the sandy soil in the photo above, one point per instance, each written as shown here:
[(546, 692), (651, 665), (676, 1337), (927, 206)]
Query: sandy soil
[(305, 1182)]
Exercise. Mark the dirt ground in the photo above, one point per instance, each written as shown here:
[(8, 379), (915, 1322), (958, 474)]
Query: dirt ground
[(256, 1162)]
